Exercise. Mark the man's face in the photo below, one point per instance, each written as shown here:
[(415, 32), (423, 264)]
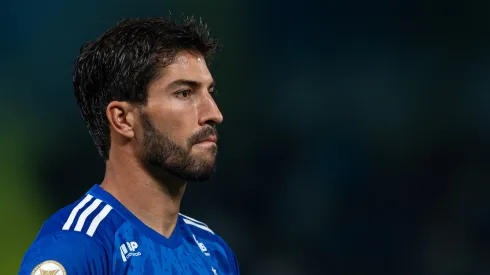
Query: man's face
[(178, 123)]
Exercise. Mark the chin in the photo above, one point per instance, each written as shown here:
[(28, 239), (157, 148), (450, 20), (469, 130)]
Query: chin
[(198, 169), (204, 170), (198, 175), (204, 158)]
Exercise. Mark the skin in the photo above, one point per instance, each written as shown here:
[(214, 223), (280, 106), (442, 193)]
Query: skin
[(180, 104)]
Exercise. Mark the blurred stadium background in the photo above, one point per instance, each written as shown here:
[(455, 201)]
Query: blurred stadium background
[(356, 137)]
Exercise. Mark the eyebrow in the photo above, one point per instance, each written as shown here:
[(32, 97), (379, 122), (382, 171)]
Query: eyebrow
[(191, 83)]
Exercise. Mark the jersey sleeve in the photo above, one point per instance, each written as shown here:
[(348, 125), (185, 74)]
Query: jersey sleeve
[(73, 253)]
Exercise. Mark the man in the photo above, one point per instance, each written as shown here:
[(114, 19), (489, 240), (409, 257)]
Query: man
[(147, 96)]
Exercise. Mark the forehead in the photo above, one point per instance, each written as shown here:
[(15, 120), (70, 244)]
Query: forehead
[(191, 66)]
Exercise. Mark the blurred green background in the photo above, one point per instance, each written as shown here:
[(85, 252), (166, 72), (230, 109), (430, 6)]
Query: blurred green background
[(356, 136)]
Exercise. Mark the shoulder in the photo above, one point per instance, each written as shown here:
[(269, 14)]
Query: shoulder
[(88, 215), (77, 237), (202, 230), (66, 251), (211, 243)]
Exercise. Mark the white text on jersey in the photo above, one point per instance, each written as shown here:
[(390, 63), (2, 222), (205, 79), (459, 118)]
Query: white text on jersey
[(201, 246), (129, 250)]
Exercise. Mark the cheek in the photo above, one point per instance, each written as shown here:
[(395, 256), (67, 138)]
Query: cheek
[(177, 122), (181, 117)]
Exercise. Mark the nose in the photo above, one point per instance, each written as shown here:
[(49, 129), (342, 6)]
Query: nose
[(210, 113)]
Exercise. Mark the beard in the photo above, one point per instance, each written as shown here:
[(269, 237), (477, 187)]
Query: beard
[(160, 151)]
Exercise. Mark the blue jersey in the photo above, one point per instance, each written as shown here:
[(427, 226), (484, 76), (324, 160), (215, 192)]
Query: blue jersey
[(98, 235)]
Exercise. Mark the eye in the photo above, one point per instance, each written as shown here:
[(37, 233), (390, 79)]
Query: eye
[(184, 93)]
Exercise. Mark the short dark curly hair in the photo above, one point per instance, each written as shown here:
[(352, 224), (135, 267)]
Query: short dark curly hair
[(123, 61)]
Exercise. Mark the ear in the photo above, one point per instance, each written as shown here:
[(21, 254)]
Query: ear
[(121, 118)]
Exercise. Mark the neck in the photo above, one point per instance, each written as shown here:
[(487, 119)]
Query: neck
[(152, 196)]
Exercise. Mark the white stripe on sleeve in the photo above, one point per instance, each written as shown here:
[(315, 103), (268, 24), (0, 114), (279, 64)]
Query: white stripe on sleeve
[(74, 212), (95, 223), (85, 213), (198, 225)]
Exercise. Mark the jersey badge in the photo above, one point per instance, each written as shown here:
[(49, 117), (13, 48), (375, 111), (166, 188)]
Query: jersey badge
[(49, 268)]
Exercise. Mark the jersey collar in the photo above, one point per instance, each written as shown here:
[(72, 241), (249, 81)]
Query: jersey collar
[(174, 240)]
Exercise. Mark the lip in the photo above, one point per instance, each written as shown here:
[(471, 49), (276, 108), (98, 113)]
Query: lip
[(212, 139)]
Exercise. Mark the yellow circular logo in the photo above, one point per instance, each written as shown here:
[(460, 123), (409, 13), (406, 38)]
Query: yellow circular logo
[(49, 268)]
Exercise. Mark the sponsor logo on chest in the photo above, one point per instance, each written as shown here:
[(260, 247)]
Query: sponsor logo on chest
[(128, 250)]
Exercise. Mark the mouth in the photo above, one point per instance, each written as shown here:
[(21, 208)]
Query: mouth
[(209, 139)]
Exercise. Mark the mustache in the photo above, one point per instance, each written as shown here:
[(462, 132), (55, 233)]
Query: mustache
[(203, 134)]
